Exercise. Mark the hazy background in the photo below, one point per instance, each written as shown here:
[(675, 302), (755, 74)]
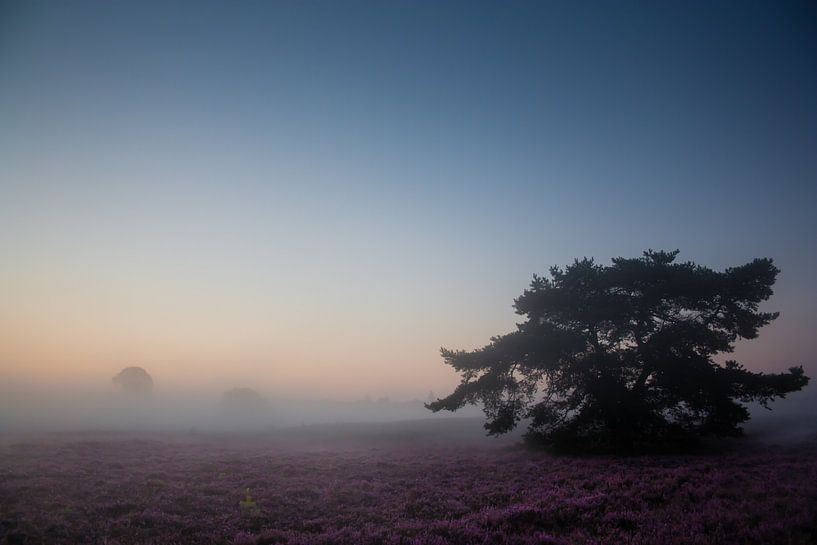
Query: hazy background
[(310, 198)]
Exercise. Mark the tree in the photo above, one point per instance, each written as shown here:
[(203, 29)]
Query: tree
[(623, 356), (243, 399), (134, 381)]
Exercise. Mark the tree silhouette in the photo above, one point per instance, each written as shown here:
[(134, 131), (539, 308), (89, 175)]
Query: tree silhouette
[(243, 399), (134, 381), (622, 356)]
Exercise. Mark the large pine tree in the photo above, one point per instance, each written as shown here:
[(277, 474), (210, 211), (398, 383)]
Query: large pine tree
[(623, 356)]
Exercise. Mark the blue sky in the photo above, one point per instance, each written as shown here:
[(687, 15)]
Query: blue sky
[(320, 194)]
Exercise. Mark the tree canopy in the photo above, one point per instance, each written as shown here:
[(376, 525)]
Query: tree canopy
[(134, 381), (623, 356), (243, 399)]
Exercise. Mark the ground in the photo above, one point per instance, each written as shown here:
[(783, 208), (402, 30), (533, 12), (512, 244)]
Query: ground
[(325, 487)]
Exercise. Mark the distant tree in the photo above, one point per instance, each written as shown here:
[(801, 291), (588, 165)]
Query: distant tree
[(134, 381), (622, 356), (243, 399)]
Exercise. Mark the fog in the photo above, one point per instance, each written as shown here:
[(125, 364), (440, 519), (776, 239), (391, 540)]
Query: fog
[(36, 409), (792, 419)]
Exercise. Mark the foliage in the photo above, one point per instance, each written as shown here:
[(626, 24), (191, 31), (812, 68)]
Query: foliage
[(243, 399), (623, 356), (392, 496), (134, 381), (242, 394)]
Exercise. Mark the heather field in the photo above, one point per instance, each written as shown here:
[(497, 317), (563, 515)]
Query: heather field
[(381, 489)]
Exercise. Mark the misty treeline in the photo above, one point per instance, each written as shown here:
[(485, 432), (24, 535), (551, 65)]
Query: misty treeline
[(622, 356), (168, 407), (136, 382)]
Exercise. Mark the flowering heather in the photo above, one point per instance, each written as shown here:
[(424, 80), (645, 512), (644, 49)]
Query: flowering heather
[(126, 490)]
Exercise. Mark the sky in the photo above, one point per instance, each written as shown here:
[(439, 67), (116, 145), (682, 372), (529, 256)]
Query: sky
[(311, 198)]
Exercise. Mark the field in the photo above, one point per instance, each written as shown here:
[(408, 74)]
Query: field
[(376, 488)]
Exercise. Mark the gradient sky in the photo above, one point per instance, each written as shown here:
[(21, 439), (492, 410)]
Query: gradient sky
[(312, 197)]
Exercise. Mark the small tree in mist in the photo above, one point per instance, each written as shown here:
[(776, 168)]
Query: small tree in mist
[(622, 356), (134, 381), (243, 399)]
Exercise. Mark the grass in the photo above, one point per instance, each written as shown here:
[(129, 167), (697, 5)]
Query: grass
[(139, 490)]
